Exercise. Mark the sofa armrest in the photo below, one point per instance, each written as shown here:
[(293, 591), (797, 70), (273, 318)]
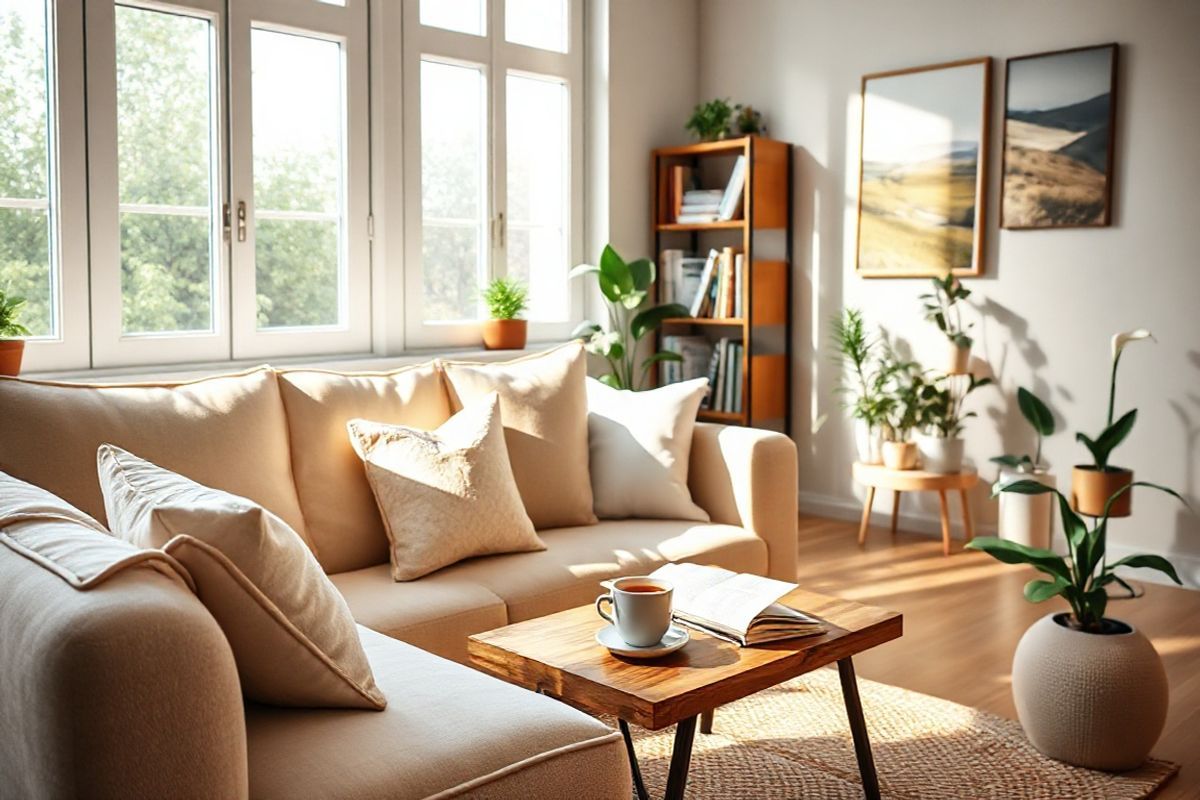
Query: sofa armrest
[(128, 689), (748, 477)]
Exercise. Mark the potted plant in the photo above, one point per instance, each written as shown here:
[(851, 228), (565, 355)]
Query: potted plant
[(1026, 518), (625, 287), (12, 348), (940, 413), (942, 309), (1093, 484), (710, 121), (506, 299), (1089, 690), (903, 412), (749, 121), (864, 384)]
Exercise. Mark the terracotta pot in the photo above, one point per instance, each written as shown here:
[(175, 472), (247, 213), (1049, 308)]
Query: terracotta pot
[(505, 334), (941, 455), (899, 455), (1026, 518), (1095, 700), (868, 441), (958, 359), (1091, 488), (11, 352)]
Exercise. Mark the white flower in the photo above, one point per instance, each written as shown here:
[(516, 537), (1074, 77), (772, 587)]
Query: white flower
[(1121, 339)]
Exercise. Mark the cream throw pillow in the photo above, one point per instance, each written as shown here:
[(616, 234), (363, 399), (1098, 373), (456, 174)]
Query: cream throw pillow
[(446, 494), (639, 444), (543, 402), (292, 635)]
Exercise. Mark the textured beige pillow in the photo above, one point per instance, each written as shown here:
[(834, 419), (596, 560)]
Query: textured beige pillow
[(293, 638), (639, 444), (543, 403), (447, 494)]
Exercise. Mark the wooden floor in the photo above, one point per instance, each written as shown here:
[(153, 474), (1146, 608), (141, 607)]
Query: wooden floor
[(964, 614)]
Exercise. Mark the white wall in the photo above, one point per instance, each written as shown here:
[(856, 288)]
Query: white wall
[(1049, 300)]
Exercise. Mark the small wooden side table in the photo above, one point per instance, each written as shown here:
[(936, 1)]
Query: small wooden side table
[(877, 476)]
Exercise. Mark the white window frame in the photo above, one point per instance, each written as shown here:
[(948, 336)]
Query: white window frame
[(497, 57)]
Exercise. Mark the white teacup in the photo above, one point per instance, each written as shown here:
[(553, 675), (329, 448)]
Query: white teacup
[(641, 609)]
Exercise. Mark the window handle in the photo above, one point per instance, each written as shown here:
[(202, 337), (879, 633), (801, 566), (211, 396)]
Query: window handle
[(500, 230), (241, 221), (225, 221)]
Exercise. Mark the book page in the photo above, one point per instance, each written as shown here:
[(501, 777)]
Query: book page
[(721, 596)]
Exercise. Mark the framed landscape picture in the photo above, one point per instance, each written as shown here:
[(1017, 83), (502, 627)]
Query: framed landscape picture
[(1058, 139), (923, 170)]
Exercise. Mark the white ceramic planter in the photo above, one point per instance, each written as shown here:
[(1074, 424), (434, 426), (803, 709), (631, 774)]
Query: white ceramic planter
[(1024, 518), (957, 360), (941, 455), (869, 443), (1093, 700)]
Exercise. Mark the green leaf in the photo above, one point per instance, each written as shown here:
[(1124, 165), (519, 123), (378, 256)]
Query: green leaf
[(1129, 487), (633, 299), (1034, 410), (582, 269), (610, 290), (1073, 526), (1016, 553), (614, 268), (611, 379), (1037, 591), (1025, 486), (651, 318), (643, 273), (666, 355), (1109, 438), (1016, 462), (1148, 561), (584, 330)]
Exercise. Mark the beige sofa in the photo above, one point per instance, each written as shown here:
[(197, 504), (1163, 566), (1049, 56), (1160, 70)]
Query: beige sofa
[(129, 689)]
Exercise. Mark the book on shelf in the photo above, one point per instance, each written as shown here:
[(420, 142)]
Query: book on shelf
[(693, 206), (738, 607), (731, 201), (725, 374), (695, 352)]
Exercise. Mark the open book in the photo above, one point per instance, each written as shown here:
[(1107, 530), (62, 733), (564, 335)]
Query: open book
[(740, 608)]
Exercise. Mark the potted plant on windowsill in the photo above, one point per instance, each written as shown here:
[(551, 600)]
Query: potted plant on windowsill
[(864, 385), (12, 348), (1093, 484), (506, 299), (941, 415), (942, 309), (1089, 690), (902, 416), (1027, 518)]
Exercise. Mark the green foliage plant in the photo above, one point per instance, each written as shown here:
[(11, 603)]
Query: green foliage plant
[(940, 409), (748, 121), (10, 313), (506, 298), (710, 121), (1114, 432), (1081, 578), (1041, 420), (625, 287), (942, 308), (904, 384), (864, 384)]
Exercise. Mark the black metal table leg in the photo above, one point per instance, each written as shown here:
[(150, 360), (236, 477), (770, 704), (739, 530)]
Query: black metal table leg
[(681, 759), (858, 729)]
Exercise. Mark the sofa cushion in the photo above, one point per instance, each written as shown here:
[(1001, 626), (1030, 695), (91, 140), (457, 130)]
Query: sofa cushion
[(543, 402), (293, 637), (227, 432), (567, 573), (436, 613), (458, 732), (344, 525)]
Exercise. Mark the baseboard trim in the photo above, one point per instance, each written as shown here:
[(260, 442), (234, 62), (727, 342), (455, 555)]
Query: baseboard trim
[(820, 505)]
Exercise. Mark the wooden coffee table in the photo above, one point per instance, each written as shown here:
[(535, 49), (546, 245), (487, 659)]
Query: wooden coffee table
[(557, 655)]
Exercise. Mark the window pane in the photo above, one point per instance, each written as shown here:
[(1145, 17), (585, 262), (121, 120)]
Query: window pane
[(464, 16), (26, 268), (538, 192), (299, 180), (165, 132), (453, 186), (537, 23)]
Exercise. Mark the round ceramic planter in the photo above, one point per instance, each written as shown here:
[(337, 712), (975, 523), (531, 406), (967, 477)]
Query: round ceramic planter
[(868, 441), (11, 352), (957, 359), (1091, 488), (899, 455), (504, 334), (1026, 518), (1093, 700), (941, 455)]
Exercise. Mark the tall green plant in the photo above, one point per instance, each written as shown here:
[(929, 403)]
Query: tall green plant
[(1114, 433), (10, 311), (1082, 578), (625, 288), (864, 380), (1041, 419), (943, 310)]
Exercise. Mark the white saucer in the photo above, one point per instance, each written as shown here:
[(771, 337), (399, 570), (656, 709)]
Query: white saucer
[(676, 637)]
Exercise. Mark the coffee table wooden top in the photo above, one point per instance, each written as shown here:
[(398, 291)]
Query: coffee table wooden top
[(558, 655)]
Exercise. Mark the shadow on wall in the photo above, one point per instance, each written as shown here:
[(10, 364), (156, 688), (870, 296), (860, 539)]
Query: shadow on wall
[(1187, 522)]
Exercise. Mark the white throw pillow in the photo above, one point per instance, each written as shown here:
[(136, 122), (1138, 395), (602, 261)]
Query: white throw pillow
[(293, 638), (639, 444), (446, 494)]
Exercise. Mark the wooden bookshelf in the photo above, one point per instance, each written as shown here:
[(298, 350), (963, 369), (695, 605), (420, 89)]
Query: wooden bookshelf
[(763, 233)]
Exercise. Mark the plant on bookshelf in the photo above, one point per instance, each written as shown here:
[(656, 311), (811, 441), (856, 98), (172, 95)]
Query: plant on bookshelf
[(749, 121), (710, 121), (625, 288)]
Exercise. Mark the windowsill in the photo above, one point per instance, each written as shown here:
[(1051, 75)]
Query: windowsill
[(361, 362)]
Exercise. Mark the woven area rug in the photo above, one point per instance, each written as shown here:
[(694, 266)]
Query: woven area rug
[(793, 741)]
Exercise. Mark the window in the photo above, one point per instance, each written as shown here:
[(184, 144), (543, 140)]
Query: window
[(498, 110)]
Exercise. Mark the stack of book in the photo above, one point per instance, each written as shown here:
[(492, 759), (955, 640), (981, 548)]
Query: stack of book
[(718, 292), (698, 206), (725, 377), (696, 352)]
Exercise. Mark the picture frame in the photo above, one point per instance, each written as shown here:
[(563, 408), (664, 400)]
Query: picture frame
[(924, 150), (1059, 138)]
